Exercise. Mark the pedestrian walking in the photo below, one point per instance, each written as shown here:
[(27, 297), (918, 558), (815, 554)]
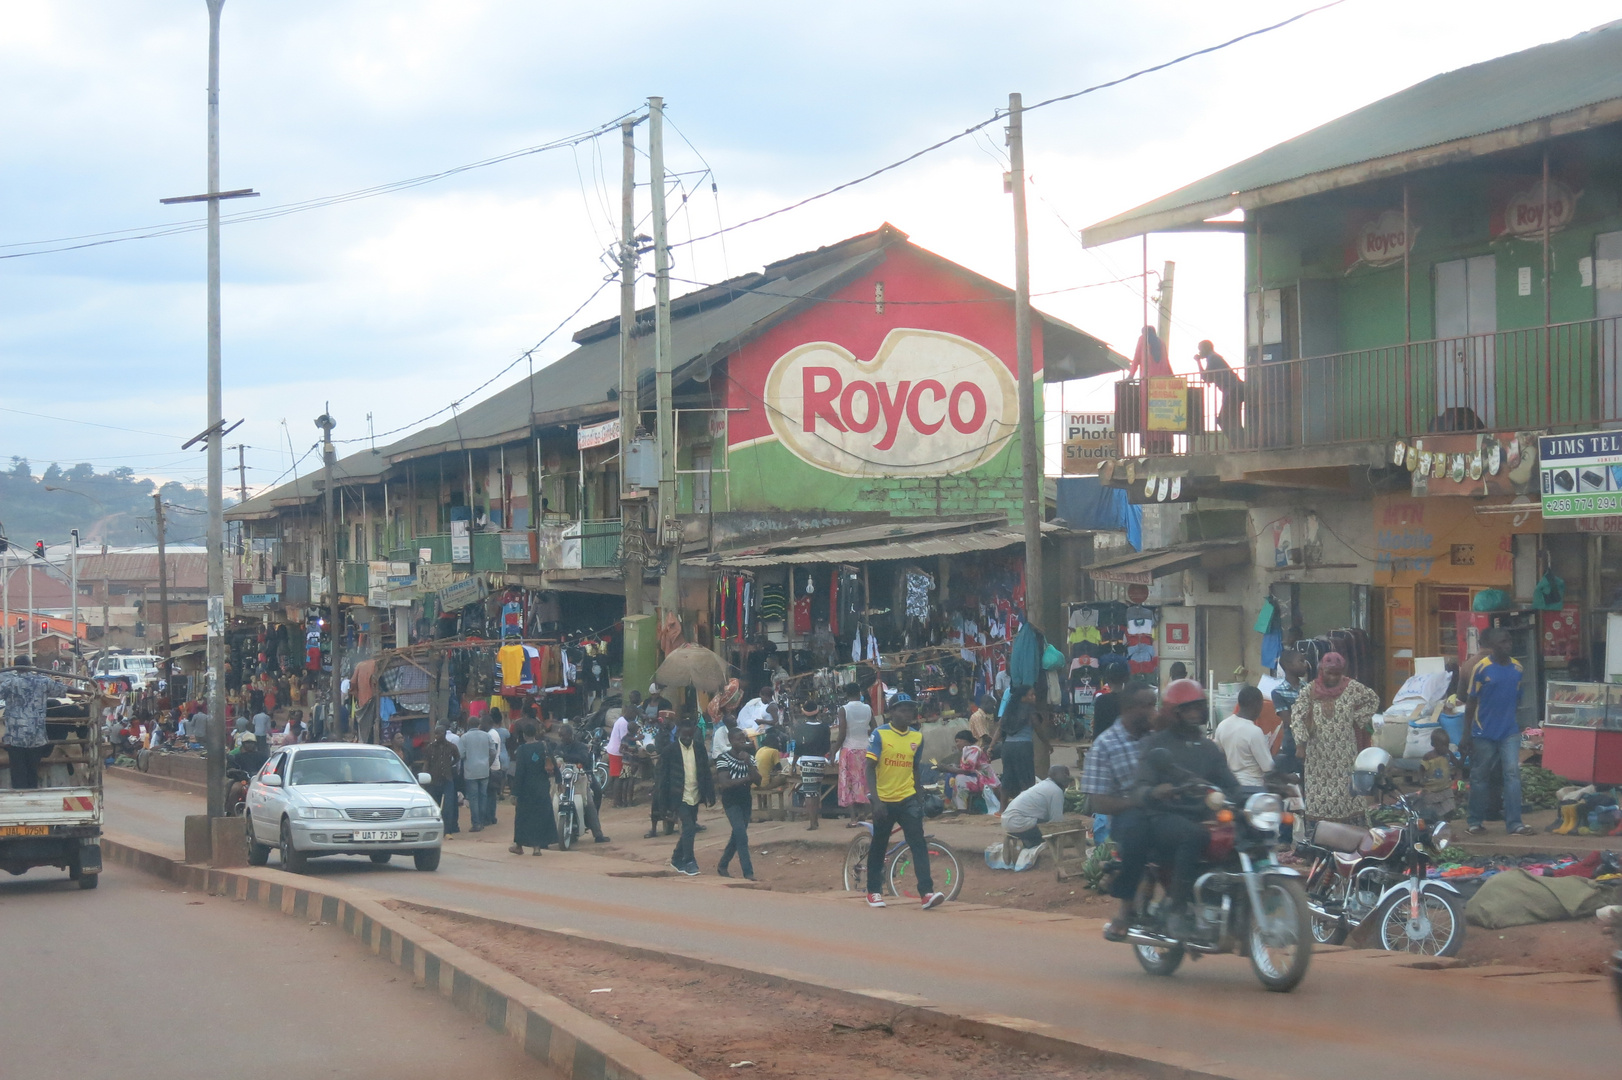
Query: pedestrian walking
[(478, 758), (440, 760), (534, 827), (735, 777), (685, 783), (893, 762)]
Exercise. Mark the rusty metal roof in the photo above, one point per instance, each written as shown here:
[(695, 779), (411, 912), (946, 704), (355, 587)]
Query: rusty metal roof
[(870, 543)]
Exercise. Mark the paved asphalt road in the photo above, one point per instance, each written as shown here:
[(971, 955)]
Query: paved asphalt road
[(139, 981), (1351, 1018)]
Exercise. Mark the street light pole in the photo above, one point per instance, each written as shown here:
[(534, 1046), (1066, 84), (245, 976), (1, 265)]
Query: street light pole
[(214, 737)]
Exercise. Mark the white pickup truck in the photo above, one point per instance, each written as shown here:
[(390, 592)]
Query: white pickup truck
[(58, 823)]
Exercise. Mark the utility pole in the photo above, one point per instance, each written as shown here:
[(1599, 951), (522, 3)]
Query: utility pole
[(1168, 272), (669, 525), (329, 457), (73, 583), (1030, 440), (631, 512), (214, 737), (163, 588), (242, 473)]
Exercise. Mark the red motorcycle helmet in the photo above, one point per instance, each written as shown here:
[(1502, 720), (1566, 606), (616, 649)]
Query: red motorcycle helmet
[(1182, 692)]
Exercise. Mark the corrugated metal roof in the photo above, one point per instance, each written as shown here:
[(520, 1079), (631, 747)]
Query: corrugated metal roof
[(706, 326), (1553, 80), (869, 543), (1144, 567), (186, 570)]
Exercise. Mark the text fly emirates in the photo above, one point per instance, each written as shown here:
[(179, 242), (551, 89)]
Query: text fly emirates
[(828, 397)]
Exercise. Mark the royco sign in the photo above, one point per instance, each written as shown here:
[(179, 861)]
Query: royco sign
[(1089, 438), (928, 403)]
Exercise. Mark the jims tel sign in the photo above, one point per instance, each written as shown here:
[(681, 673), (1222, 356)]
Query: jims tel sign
[(927, 403), (1581, 475)]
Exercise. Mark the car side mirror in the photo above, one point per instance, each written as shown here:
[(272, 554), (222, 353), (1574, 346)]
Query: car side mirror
[(271, 780), (424, 779)]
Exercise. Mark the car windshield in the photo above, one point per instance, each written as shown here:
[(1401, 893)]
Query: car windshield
[(349, 767)]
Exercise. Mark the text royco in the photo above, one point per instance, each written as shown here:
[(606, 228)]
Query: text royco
[(928, 403)]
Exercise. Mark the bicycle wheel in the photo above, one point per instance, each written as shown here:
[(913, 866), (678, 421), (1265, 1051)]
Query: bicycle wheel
[(943, 868), (856, 862)]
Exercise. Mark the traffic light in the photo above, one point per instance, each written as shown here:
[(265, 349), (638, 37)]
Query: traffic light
[(39, 549), (44, 627)]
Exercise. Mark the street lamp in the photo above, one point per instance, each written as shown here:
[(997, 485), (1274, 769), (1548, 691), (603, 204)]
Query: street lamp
[(215, 735)]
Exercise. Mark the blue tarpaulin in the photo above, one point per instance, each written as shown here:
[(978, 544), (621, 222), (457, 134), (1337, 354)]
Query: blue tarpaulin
[(1085, 503)]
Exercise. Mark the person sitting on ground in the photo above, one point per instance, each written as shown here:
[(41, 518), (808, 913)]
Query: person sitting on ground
[(1441, 774), (1036, 806), (972, 775), (1242, 741)]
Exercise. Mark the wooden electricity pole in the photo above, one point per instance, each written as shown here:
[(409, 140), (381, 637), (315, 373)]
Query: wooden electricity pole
[(1030, 436)]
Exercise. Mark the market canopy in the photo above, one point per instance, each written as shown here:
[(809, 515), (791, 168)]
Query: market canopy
[(1144, 568)]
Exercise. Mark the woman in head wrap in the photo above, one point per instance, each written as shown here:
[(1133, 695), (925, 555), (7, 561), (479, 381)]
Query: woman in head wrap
[(1326, 719)]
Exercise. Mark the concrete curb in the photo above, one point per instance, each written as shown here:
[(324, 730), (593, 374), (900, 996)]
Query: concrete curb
[(1018, 1033), (555, 1033), (168, 783)]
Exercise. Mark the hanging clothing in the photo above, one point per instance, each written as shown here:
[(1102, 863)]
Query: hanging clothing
[(510, 664)]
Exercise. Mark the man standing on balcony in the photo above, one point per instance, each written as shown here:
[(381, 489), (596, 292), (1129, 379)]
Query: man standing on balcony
[(1220, 374)]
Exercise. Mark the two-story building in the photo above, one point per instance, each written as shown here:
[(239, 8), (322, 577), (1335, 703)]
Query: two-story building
[(1432, 281), (841, 409)]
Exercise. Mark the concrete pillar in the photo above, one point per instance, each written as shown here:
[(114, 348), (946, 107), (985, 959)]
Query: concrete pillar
[(199, 840)]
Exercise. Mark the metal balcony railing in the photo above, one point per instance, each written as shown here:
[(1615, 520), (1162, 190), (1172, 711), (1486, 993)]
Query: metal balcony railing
[(1564, 376)]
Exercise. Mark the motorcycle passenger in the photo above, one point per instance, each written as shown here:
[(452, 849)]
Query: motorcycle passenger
[(1165, 824), (571, 751)]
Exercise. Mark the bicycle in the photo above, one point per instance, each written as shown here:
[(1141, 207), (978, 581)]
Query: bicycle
[(943, 865)]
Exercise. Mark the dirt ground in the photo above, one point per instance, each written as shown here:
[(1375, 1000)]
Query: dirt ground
[(1578, 946), (775, 1033)]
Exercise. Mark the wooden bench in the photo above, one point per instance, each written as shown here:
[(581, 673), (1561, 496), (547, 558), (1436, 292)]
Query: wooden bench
[(771, 804), (1067, 840)]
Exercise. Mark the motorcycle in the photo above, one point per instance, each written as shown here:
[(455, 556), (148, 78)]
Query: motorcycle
[(598, 743), (1243, 903), (568, 804), (236, 792), (1377, 876)]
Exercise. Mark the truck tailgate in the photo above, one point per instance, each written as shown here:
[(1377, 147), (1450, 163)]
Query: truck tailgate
[(51, 806)]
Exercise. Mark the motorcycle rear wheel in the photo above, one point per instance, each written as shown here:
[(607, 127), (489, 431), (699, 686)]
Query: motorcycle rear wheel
[(1329, 931), (1444, 914), (1281, 965), (566, 827), (1157, 961)]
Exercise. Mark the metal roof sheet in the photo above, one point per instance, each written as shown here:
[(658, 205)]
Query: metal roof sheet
[(870, 543), (1553, 80), (707, 324)]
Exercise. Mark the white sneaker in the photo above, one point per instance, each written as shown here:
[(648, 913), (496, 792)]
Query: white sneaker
[(875, 900)]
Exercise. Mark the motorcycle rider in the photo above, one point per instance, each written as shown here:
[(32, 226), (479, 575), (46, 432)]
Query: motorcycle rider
[(572, 751), (1165, 824), (251, 757)]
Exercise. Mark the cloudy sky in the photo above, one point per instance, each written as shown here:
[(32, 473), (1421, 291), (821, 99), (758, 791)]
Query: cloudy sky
[(397, 305)]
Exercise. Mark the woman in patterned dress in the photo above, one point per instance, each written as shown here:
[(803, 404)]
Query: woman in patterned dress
[(1326, 720)]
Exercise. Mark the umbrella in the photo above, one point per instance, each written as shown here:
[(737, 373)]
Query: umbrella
[(692, 665)]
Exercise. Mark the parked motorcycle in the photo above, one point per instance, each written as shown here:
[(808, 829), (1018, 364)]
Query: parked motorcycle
[(1377, 875), (598, 742), (1243, 903), (568, 804)]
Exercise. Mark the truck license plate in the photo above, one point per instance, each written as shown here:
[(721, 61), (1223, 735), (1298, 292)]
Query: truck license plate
[(378, 834), (26, 830)]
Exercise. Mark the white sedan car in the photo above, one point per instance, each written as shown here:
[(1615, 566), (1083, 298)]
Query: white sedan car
[(340, 799)]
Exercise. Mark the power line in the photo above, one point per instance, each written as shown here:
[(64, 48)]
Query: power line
[(147, 232), (1000, 113)]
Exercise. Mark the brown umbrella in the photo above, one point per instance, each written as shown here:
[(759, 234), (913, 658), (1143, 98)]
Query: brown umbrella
[(692, 665)]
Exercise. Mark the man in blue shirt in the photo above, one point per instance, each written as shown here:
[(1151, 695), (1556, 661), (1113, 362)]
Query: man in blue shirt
[(1492, 737)]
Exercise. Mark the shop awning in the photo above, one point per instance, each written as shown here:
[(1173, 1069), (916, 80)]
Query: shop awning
[(1144, 568), (869, 543)]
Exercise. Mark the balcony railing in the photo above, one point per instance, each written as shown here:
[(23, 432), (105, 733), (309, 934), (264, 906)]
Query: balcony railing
[(1564, 376)]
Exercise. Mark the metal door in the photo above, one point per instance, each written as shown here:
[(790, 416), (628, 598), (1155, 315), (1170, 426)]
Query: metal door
[(1466, 320), (1608, 305)]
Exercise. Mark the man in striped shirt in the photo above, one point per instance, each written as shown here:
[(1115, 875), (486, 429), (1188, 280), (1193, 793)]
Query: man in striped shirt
[(1108, 772)]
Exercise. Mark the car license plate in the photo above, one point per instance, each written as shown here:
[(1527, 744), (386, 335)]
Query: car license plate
[(25, 830), (378, 834)]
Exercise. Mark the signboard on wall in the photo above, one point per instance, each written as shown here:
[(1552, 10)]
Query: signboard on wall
[(461, 543), (1089, 438), (1581, 475), (1168, 404), (1381, 240), (590, 435), (927, 403)]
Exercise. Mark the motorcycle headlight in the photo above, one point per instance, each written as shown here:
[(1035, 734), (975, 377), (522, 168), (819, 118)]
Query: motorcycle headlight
[(1441, 836), (1264, 811), (1216, 800), (421, 811), (320, 812)]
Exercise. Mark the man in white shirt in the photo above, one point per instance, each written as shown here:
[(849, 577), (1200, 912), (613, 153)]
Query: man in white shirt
[(261, 726), (480, 752), (1243, 742), (1035, 806)]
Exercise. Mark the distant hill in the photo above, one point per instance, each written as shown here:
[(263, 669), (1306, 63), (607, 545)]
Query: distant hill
[(113, 507)]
